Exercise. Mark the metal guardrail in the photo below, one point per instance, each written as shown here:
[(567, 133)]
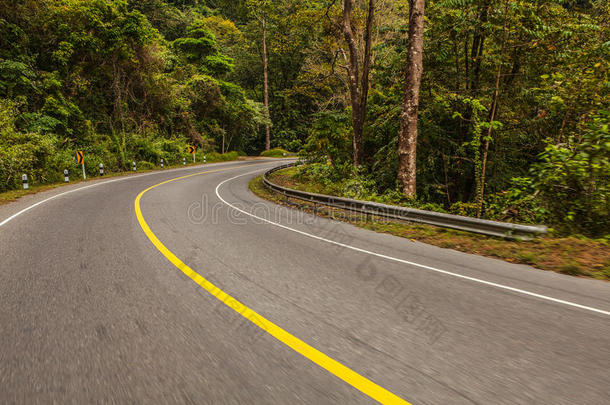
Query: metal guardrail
[(468, 224)]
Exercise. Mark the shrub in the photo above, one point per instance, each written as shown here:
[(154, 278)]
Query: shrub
[(30, 154), (329, 139), (277, 153), (572, 181), (44, 157), (218, 157), (143, 165)]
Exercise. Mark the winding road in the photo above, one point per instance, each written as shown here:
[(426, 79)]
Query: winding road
[(181, 286)]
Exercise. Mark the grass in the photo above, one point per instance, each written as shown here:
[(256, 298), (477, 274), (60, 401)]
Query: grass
[(14, 195), (277, 153), (575, 256)]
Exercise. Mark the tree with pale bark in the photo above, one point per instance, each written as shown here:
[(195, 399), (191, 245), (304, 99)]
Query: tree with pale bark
[(407, 137)]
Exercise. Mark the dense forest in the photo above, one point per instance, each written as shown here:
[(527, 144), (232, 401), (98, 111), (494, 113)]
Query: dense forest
[(511, 110)]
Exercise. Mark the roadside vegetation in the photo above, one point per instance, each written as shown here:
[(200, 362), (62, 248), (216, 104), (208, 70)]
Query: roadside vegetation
[(572, 255), (497, 109), (120, 80), (75, 176), (507, 206), (277, 153)]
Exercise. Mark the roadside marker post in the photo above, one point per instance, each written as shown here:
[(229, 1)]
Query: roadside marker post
[(184, 161), (66, 176), (101, 169), (134, 166), (204, 159), (161, 163), (80, 160), (24, 179)]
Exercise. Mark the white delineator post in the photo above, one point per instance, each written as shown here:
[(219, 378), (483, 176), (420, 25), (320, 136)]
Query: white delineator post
[(134, 166), (204, 159), (161, 163), (24, 179), (66, 176), (101, 169), (184, 161), (84, 173)]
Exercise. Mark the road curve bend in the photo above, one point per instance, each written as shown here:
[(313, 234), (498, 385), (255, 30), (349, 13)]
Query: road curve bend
[(182, 286)]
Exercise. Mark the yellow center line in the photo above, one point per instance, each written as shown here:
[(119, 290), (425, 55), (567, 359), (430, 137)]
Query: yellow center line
[(354, 379)]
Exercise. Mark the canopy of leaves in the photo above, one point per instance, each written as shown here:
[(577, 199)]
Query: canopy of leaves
[(127, 79)]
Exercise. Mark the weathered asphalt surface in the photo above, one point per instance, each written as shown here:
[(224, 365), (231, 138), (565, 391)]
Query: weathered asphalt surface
[(92, 312)]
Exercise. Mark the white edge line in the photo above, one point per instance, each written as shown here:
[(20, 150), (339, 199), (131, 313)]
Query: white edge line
[(23, 211), (395, 259)]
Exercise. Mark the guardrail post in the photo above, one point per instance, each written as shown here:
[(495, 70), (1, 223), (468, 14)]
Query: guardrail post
[(24, 179), (367, 216), (66, 176), (101, 169)]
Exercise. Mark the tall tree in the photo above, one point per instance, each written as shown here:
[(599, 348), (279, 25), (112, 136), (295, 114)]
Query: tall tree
[(259, 9), (493, 110), (266, 82), (358, 84), (407, 137)]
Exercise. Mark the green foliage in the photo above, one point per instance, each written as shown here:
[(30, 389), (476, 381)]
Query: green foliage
[(330, 139), (15, 77), (572, 180), (277, 153), (201, 49), (519, 203), (128, 80), (553, 76), (218, 157), (199, 44), (345, 181), (121, 80)]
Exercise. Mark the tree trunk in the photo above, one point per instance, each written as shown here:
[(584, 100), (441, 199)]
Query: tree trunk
[(358, 85), (366, 69), (266, 85), (407, 137)]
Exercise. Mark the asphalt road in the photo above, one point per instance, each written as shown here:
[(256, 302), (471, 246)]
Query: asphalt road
[(91, 311)]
